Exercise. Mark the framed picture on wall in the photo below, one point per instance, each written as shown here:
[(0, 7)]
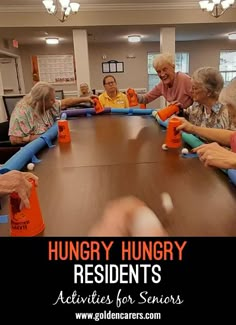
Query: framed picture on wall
[(112, 67)]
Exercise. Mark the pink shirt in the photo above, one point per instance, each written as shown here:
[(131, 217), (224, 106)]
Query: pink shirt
[(181, 91), (233, 142)]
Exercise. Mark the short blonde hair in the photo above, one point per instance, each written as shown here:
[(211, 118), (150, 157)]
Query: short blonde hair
[(228, 94), (210, 79), (163, 58)]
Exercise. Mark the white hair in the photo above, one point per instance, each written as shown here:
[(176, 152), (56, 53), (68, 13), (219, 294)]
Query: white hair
[(209, 78), (163, 58)]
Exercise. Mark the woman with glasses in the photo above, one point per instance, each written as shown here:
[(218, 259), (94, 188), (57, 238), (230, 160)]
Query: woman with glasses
[(207, 111), (213, 154), (112, 97)]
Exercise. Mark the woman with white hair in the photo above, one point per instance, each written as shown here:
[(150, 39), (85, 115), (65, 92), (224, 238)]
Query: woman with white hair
[(207, 111), (213, 154), (175, 87), (37, 111)]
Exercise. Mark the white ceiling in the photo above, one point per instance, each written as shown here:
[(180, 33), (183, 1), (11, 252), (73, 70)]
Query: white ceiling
[(149, 33)]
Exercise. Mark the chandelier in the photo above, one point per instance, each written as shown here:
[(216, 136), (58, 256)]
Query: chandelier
[(61, 9), (216, 8)]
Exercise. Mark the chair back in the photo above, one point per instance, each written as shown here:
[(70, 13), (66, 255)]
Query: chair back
[(59, 94), (10, 103)]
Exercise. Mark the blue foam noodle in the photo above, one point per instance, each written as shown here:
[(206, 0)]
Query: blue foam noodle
[(232, 175), (3, 218), (140, 111), (25, 154), (130, 110), (35, 160), (162, 123), (191, 140), (85, 111)]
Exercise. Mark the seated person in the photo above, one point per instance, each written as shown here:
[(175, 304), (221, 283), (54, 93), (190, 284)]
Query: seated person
[(112, 97), (85, 93), (207, 111), (37, 111), (84, 90), (213, 154)]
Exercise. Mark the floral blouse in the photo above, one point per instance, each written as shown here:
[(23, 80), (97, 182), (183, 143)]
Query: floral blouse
[(25, 120), (218, 118)]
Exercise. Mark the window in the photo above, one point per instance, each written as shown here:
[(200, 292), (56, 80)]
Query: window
[(181, 64), (228, 65)]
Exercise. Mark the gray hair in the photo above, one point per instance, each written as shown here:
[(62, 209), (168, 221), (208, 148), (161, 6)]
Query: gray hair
[(210, 79), (163, 58), (39, 95), (228, 94)]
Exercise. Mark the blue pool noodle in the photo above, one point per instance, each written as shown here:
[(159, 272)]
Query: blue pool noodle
[(138, 111), (25, 154), (195, 142), (85, 111)]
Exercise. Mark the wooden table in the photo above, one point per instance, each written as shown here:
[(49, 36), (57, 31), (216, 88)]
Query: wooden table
[(117, 155)]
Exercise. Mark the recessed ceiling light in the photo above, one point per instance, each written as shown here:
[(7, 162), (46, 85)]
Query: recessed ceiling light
[(134, 38), (52, 40), (232, 36)]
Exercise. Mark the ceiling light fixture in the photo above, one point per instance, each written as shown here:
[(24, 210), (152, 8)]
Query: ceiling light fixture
[(62, 11), (52, 40), (216, 8), (232, 36), (134, 38)]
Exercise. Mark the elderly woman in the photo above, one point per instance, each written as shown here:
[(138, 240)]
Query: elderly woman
[(213, 154), (112, 97), (84, 90), (36, 112), (174, 86), (207, 111)]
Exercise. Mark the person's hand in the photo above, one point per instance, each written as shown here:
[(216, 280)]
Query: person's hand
[(94, 96), (175, 102), (214, 155), (128, 216), (185, 125), (90, 99), (16, 181)]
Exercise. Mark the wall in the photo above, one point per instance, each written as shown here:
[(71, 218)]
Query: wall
[(202, 53), (28, 51)]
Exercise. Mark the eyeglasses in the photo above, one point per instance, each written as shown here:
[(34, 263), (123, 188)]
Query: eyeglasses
[(110, 83)]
